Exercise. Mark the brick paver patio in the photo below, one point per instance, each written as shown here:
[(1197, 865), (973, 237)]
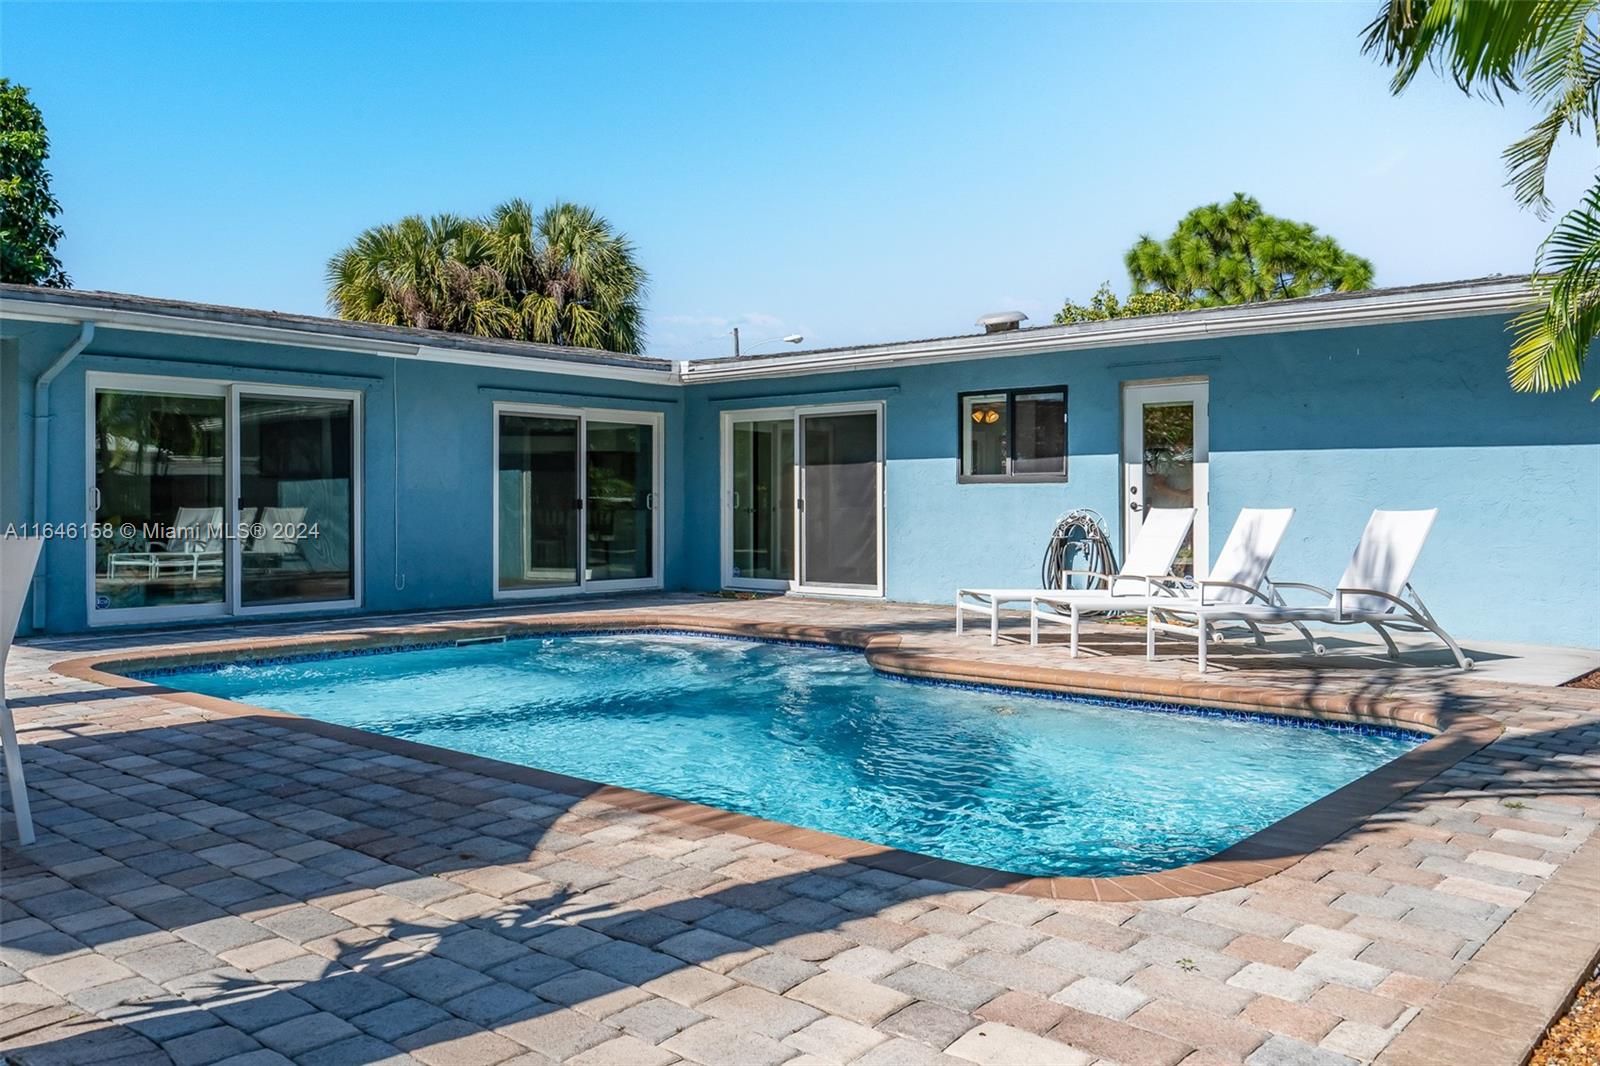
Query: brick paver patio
[(222, 887)]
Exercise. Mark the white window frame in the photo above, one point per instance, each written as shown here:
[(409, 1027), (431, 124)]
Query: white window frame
[(228, 390), (584, 415), (797, 414)]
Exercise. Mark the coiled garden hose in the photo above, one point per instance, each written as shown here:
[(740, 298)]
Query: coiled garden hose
[(1080, 542)]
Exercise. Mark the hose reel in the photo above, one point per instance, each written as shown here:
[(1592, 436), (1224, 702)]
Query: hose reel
[(1079, 542)]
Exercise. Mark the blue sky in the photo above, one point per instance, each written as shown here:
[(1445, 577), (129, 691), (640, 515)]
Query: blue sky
[(854, 173)]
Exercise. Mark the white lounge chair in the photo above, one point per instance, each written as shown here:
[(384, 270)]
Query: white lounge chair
[(195, 548), (1240, 576), (1154, 548), (1375, 590)]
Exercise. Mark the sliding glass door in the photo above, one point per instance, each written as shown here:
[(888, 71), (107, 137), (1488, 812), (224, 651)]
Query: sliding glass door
[(212, 498), (160, 497), (762, 504), (620, 491), (575, 501), (539, 508), (803, 499), (839, 501), (296, 499)]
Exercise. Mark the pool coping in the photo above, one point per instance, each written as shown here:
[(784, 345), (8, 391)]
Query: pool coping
[(1454, 735)]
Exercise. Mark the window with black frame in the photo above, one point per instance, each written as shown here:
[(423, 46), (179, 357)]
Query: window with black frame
[(1012, 435)]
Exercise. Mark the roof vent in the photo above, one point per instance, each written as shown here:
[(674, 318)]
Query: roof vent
[(1002, 321)]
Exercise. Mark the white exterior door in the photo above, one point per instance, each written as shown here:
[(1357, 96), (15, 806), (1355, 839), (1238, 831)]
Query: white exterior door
[(1166, 455)]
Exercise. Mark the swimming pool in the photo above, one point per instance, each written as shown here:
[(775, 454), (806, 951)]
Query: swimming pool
[(814, 737)]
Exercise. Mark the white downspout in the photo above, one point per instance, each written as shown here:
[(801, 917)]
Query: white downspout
[(41, 456)]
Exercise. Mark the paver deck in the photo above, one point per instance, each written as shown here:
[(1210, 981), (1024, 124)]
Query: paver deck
[(220, 886)]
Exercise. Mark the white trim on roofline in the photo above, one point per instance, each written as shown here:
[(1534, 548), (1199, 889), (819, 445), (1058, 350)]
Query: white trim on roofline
[(22, 309), (1363, 309), (1486, 296)]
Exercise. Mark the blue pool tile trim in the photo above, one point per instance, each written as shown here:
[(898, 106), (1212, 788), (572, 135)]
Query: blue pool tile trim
[(1151, 706)]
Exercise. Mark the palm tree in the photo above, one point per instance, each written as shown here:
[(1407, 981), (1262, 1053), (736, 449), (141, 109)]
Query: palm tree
[(1548, 49), (560, 276)]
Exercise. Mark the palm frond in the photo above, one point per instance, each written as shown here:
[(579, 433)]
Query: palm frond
[(1553, 340), (1481, 45), (556, 276), (1563, 76)]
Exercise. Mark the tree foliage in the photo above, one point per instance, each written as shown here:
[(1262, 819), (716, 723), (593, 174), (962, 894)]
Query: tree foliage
[(28, 231), (1234, 253), (1549, 51), (556, 276), (1227, 253), (1105, 304)]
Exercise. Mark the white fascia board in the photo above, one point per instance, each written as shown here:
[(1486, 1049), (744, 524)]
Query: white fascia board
[(108, 318), (1377, 309), (1368, 309)]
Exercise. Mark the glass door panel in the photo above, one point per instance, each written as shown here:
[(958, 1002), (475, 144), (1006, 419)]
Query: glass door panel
[(1167, 455), (839, 500), (621, 496), (540, 503), (763, 500), (296, 500), (161, 488)]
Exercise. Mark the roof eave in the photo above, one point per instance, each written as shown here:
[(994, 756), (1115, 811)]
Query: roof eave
[(37, 306), (1461, 301)]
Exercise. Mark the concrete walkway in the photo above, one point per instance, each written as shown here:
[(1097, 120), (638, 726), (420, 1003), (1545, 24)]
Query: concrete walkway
[(211, 887)]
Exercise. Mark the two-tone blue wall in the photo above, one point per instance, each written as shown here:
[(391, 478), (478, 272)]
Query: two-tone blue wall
[(1331, 422), (427, 452)]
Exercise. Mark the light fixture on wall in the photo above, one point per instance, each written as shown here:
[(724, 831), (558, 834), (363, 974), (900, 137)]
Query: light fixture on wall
[(983, 417)]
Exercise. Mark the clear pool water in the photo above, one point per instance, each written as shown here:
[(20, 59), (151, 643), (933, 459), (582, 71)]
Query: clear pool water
[(814, 737)]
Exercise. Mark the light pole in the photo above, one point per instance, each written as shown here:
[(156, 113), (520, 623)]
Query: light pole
[(793, 338)]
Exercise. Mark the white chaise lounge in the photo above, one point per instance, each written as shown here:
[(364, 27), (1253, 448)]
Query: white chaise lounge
[(1375, 590), (1154, 548), (1240, 576)]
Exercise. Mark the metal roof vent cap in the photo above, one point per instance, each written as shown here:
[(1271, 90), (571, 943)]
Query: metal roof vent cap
[(1002, 321)]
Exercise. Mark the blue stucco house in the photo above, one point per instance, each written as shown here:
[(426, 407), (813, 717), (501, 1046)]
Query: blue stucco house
[(195, 462)]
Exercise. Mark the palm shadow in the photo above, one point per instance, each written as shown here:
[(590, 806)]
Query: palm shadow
[(183, 830)]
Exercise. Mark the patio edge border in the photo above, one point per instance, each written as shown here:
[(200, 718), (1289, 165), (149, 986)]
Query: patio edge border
[(1455, 735)]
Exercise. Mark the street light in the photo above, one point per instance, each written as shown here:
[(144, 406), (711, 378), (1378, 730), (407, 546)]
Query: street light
[(793, 338)]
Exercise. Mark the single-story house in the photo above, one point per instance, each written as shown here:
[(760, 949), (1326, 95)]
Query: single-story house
[(197, 462)]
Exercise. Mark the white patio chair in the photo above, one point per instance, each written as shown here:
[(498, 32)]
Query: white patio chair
[(18, 557), (1240, 576), (1154, 548), (1375, 590), (279, 532), (196, 545)]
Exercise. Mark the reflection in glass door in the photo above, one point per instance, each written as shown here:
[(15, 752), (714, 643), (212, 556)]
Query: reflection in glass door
[(296, 499), (762, 470), (213, 497), (576, 500), (839, 500), (540, 503), (1165, 455), (160, 488), (803, 499), (621, 492)]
